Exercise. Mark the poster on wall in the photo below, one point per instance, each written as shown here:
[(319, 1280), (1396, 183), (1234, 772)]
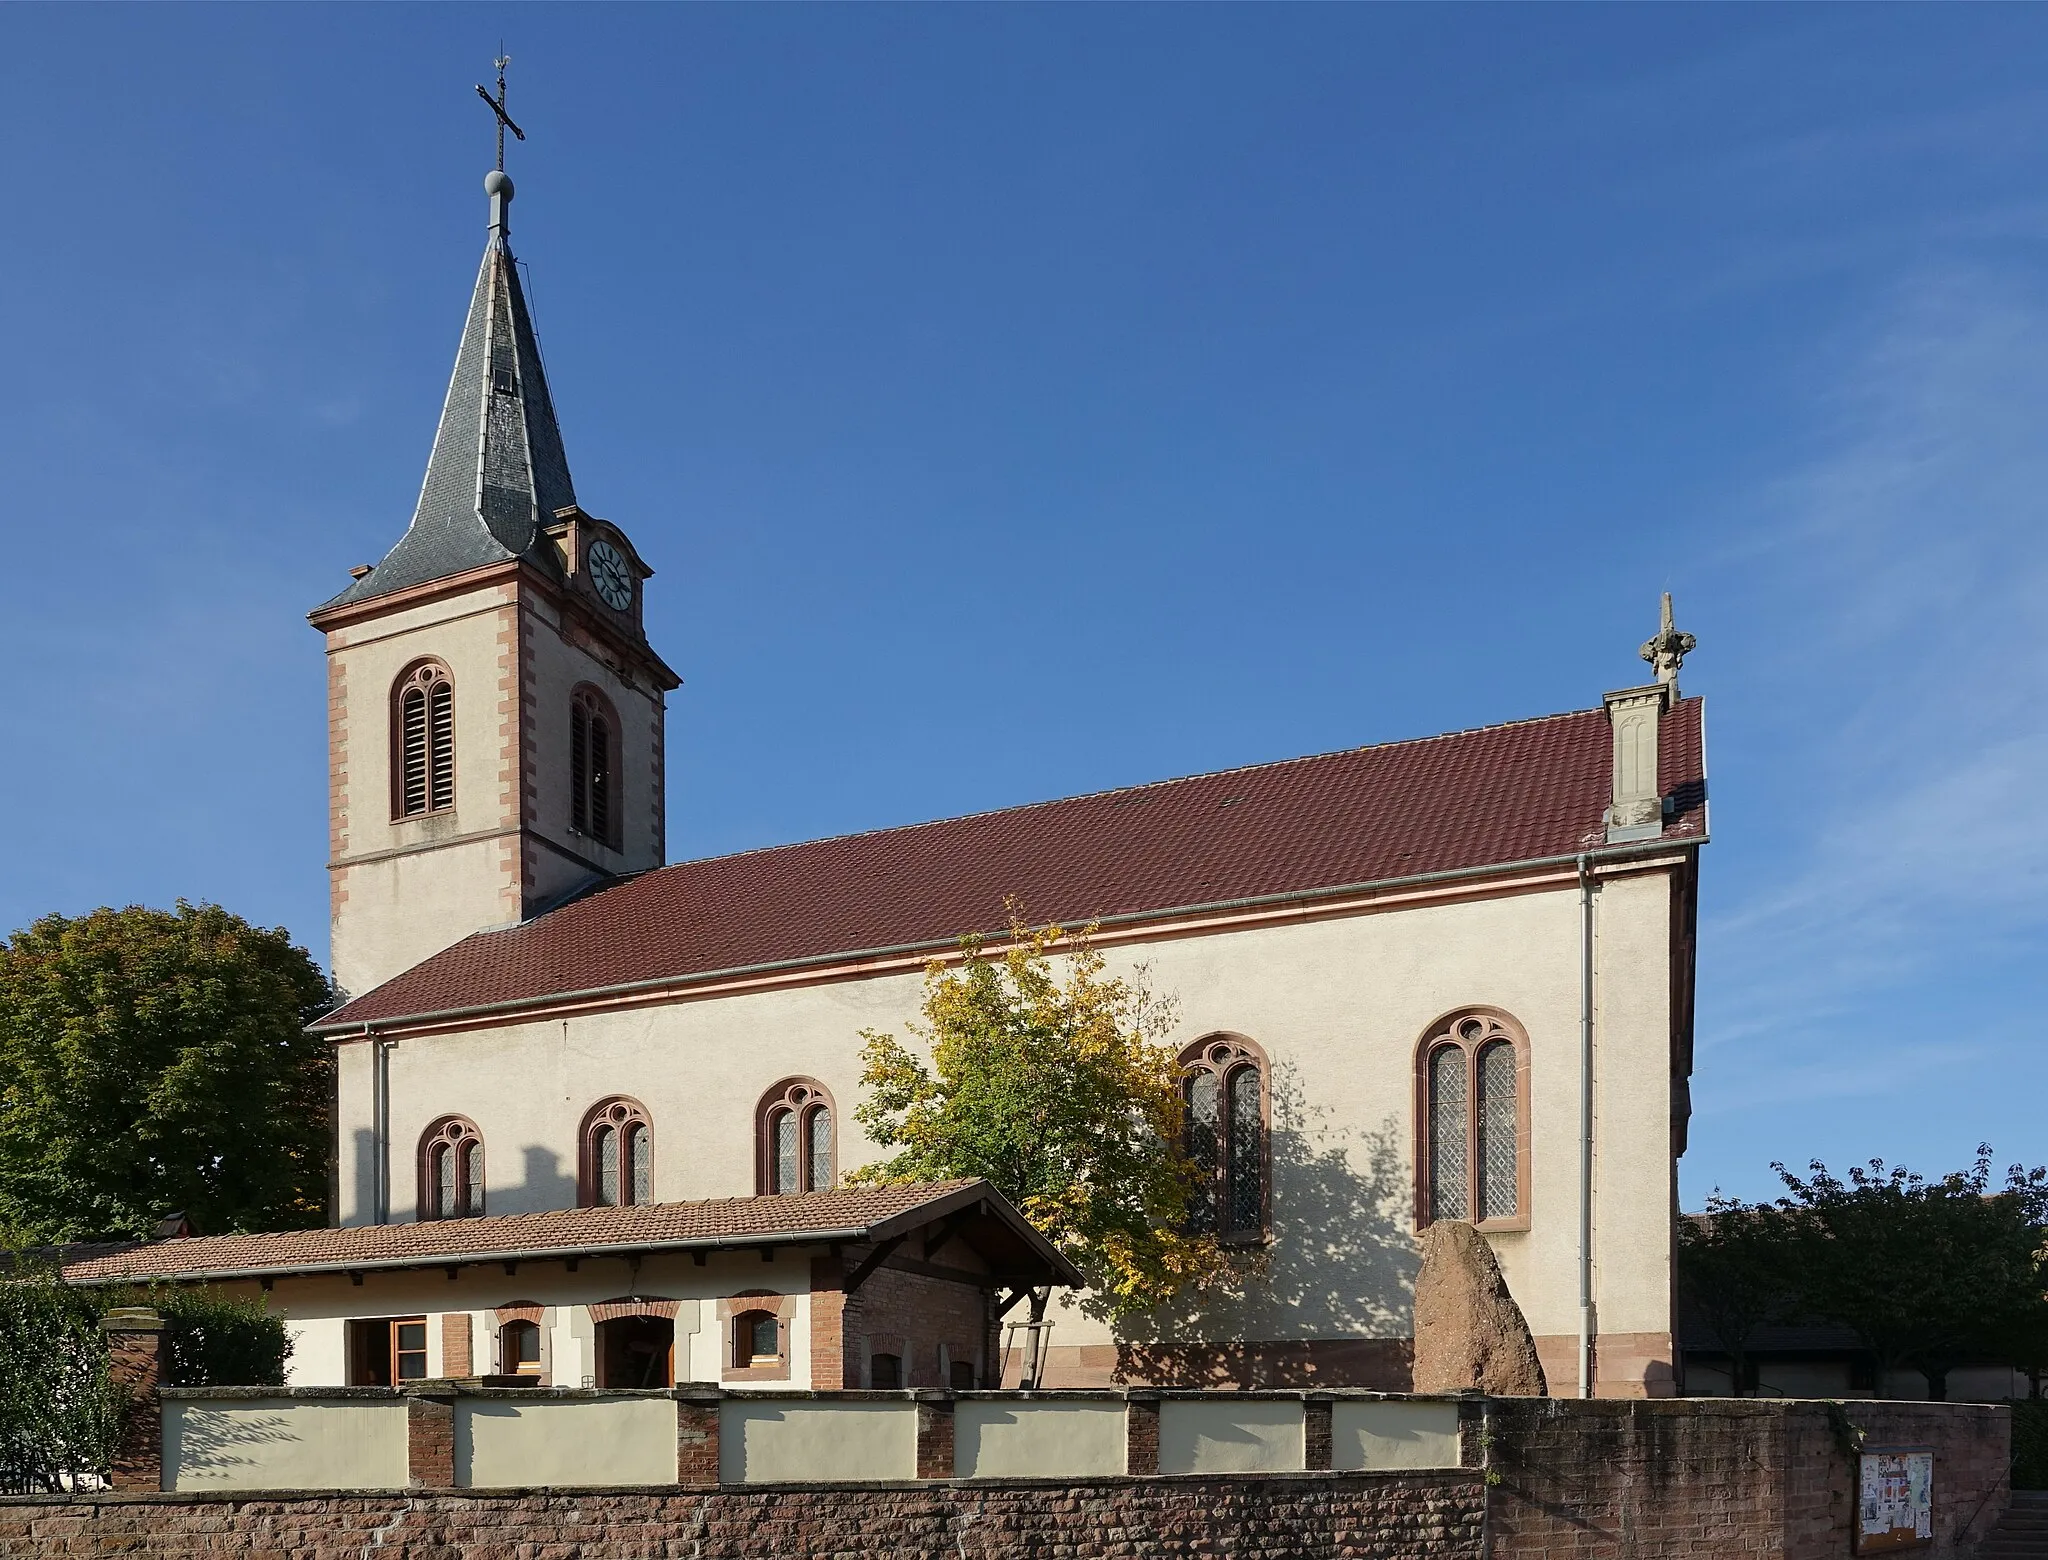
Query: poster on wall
[(1895, 1500)]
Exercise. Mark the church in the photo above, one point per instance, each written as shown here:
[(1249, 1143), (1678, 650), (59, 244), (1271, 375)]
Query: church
[(593, 1109)]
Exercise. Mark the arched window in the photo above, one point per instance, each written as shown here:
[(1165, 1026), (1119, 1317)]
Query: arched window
[(519, 1348), (617, 1152), (1472, 1121), (1223, 1087), (793, 1133), (594, 766), (451, 1170), (422, 741)]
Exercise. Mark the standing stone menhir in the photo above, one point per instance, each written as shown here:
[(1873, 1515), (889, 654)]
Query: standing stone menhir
[(1469, 1333)]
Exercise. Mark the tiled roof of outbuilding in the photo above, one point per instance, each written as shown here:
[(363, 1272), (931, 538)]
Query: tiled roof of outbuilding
[(1495, 796), (864, 1213)]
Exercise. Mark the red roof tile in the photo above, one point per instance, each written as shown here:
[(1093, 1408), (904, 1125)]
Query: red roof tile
[(1493, 796), (858, 1214)]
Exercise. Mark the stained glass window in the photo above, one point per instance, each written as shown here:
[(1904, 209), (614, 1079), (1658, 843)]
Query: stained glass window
[(607, 1167), (1498, 1180), (793, 1127), (785, 1151), (1448, 1139), (1247, 1157), (821, 1149), (642, 1190), (1203, 1147)]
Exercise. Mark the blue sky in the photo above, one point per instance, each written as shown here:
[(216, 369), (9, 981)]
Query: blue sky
[(1018, 402)]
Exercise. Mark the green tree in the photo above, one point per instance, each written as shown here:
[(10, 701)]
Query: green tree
[(1050, 1081), (1735, 1265), (1925, 1273), (156, 1061)]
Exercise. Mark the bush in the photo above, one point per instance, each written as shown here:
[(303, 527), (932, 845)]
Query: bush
[(2030, 1444), (60, 1415), (217, 1340)]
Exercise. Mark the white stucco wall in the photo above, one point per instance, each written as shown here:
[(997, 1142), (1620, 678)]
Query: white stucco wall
[(1393, 1433), (503, 1443), (1052, 1439), (1247, 1436), (284, 1444), (766, 1443), (1338, 1005)]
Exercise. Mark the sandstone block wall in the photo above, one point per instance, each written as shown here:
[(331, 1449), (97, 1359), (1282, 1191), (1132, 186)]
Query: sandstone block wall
[(1357, 1517), (1709, 1476)]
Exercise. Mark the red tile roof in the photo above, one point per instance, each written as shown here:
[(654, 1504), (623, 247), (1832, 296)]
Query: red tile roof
[(1490, 797), (865, 1213)]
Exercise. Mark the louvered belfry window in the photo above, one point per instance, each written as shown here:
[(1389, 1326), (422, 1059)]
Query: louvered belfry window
[(1223, 1087), (593, 767), (425, 741), (1471, 1150), (794, 1139)]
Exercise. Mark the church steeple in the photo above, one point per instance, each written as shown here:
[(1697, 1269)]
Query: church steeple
[(495, 713), (497, 476)]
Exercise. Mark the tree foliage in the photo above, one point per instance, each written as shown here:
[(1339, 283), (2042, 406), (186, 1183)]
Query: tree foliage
[(60, 1415), (1734, 1268), (155, 1061), (1927, 1274), (1049, 1080)]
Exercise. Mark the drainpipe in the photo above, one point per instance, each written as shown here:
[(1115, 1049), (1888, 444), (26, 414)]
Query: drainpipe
[(1585, 1126), (380, 1128)]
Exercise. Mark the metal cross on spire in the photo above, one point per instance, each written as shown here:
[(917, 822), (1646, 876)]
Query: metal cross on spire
[(498, 107)]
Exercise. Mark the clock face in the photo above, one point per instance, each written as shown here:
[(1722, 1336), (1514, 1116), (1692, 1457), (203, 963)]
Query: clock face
[(611, 575)]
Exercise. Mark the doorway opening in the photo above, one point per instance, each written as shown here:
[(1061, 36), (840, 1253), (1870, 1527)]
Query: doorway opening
[(636, 1351)]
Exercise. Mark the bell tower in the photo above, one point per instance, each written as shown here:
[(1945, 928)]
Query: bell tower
[(494, 712)]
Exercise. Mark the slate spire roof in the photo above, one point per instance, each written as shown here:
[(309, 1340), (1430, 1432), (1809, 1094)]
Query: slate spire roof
[(497, 473)]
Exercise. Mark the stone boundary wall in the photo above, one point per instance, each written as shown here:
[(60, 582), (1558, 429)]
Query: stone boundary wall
[(1605, 1478), (1653, 1478), (1274, 1517)]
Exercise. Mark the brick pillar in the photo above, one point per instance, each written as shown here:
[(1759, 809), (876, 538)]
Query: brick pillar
[(1316, 1434), (935, 1435), (135, 1364), (828, 1324), (697, 1436), (430, 1438), (1141, 1434)]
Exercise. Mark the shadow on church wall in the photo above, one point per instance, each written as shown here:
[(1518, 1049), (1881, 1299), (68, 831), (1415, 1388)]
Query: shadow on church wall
[(542, 1185), (1340, 1272)]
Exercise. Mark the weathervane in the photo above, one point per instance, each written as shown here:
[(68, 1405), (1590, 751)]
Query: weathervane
[(498, 107)]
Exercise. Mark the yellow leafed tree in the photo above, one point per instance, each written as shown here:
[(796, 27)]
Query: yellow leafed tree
[(1051, 1080)]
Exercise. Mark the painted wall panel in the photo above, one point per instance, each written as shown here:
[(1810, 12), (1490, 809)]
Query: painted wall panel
[(1374, 1434), (1043, 1440), (283, 1444)]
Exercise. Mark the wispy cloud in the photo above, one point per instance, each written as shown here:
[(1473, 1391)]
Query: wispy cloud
[(1897, 698)]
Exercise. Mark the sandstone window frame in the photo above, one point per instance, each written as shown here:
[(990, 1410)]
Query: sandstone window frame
[(1463, 1038), (595, 809), (1232, 1061), (630, 1168), (743, 1311), (452, 1170), (800, 1102), (422, 740)]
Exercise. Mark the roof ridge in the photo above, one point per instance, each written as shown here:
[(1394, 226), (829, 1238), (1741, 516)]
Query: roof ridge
[(1081, 796)]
